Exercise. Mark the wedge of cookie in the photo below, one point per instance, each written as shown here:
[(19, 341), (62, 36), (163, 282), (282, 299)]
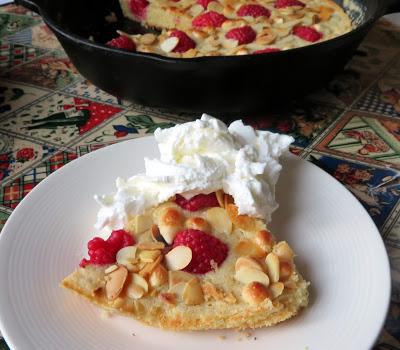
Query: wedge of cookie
[(193, 264)]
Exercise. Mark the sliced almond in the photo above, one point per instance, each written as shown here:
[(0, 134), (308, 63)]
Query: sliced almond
[(140, 281), (255, 293), (178, 289), (147, 39), (264, 240), (276, 289), (149, 255), (290, 284), (230, 43), (195, 10), (244, 222), (272, 262), (115, 282), (158, 277), (211, 291), (169, 44), (198, 34), (219, 220), (110, 269), (283, 251), (220, 198), (178, 258), (190, 53), (247, 275), (149, 267), (215, 6), (134, 291), (248, 248), (193, 294), (126, 255), (246, 261), (151, 245), (198, 223), (175, 277), (168, 232), (155, 234), (241, 52)]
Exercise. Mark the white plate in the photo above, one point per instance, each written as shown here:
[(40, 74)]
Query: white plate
[(338, 246)]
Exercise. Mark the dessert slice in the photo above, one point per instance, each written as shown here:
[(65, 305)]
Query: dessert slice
[(191, 28), (193, 264)]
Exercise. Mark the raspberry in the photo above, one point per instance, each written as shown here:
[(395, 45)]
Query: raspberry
[(197, 202), (138, 7), (307, 33), (122, 42), (267, 50), (253, 11), (103, 252), (280, 4), (204, 3), (209, 19), (244, 35), (185, 42), (206, 250)]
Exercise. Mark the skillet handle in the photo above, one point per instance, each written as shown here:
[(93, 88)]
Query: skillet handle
[(33, 5), (391, 6)]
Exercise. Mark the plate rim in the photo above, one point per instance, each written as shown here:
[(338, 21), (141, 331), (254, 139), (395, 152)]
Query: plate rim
[(75, 163)]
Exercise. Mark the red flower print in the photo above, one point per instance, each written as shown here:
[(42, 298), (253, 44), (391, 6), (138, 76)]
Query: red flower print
[(25, 154), (120, 133), (4, 161)]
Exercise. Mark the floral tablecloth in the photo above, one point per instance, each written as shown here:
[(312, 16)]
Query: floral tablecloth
[(50, 115)]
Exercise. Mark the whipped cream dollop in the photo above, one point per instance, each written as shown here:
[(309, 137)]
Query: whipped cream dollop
[(201, 157)]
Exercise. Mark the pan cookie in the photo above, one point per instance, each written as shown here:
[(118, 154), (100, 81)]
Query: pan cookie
[(194, 28), (193, 264)]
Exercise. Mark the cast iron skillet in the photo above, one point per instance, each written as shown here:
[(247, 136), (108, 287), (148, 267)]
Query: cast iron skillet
[(231, 84)]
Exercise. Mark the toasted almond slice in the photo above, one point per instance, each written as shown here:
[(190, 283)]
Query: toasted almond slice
[(178, 258), (155, 234), (283, 251), (246, 261), (264, 240), (210, 290), (149, 255), (195, 10), (276, 289), (219, 220), (140, 281), (110, 269), (168, 298), (254, 293), (230, 43), (272, 262), (134, 291), (175, 277), (193, 294), (241, 52), (147, 39), (172, 217), (149, 267), (151, 245), (248, 248), (126, 255), (215, 6), (198, 223), (220, 198), (168, 232), (158, 277), (198, 34), (244, 222), (132, 267), (290, 284), (115, 282), (247, 275), (285, 270), (169, 44)]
